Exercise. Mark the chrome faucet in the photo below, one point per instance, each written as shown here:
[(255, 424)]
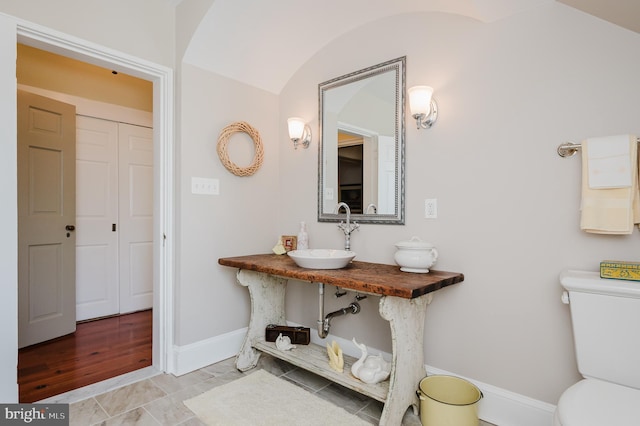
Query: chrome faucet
[(371, 207), (347, 228)]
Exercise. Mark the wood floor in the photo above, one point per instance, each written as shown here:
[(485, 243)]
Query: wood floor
[(98, 350)]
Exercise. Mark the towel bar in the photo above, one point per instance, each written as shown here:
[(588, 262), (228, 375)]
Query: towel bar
[(569, 149)]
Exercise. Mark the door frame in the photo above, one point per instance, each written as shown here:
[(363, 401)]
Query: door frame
[(163, 137)]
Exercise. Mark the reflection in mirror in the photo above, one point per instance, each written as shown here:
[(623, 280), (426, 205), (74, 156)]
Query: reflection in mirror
[(361, 155)]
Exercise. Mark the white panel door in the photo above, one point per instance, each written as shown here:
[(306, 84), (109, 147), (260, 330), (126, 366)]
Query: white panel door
[(96, 218), (136, 217), (386, 175), (46, 219)]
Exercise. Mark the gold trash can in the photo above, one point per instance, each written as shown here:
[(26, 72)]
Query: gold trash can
[(448, 401)]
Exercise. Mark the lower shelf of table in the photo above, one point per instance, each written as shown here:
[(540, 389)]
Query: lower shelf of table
[(314, 358)]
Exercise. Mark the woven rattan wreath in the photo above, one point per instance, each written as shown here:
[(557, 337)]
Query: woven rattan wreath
[(225, 134)]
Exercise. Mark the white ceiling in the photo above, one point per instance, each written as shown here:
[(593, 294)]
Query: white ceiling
[(263, 43)]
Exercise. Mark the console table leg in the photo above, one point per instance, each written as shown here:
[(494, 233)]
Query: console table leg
[(267, 307), (406, 318)]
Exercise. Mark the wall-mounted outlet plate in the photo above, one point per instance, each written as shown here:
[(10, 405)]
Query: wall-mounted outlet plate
[(431, 208)]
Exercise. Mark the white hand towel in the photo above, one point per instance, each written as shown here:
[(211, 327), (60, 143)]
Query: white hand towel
[(612, 210), (609, 162)]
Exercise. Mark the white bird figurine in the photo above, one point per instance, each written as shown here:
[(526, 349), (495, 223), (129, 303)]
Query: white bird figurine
[(283, 343), (370, 369)]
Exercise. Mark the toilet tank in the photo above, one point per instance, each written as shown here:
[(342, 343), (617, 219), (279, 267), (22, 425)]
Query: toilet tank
[(605, 315)]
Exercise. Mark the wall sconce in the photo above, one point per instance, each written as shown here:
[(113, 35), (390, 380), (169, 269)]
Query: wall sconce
[(299, 131), (423, 107)]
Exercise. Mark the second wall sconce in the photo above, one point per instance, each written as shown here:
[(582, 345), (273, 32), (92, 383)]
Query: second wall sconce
[(299, 132), (423, 107)]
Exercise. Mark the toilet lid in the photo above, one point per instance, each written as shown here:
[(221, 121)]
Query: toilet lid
[(596, 402)]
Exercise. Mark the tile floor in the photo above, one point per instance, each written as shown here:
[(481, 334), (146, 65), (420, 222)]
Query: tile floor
[(158, 400)]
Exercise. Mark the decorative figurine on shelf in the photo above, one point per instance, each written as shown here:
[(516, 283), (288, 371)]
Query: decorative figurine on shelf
[(336, 360), (279, 248), (370, 368), (283, 343)]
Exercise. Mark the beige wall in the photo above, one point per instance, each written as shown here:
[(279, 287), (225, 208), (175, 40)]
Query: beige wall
[(240, 220), (46, 70), (509, 93)]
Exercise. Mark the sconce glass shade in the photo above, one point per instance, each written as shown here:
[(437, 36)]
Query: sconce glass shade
[(420, 99), (299, 131), (422, 105), (296, 127)]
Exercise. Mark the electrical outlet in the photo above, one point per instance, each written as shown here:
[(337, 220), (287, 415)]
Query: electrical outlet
[(205, 186), (431, 208)]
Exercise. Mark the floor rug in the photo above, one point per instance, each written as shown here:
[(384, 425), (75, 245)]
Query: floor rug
[(262, 399)]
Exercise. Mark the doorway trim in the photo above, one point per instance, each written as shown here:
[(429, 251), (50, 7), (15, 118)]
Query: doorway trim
[(163, 135)]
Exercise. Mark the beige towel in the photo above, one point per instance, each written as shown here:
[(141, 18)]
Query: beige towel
[(615, 210), (609, 161)]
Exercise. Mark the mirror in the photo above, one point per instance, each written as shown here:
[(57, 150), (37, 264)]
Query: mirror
[(361, 149)]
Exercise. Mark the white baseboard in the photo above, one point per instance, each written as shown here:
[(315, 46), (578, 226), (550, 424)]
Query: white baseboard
[(505, 408), (498, 406), (196, 355)]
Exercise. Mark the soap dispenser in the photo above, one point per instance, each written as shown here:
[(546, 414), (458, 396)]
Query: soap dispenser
[(303, 238)]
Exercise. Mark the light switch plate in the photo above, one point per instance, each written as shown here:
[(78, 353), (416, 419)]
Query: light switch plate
[(205, 186)]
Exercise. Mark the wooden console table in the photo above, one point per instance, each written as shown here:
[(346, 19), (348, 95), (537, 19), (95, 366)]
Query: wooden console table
[(403, 302)]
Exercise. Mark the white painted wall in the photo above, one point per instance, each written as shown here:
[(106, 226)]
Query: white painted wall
[(188, 16), (143, 28), (146, 47), (8, 215), (509, 92)]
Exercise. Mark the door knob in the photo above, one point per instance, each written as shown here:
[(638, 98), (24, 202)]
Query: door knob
[(70, 228)]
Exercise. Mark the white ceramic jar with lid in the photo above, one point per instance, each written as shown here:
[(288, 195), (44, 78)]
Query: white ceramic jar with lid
[(415, 255)]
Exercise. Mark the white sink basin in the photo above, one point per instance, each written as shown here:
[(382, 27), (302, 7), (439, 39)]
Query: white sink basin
[(321, 258)]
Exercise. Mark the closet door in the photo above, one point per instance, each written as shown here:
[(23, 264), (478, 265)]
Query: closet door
[(136, 217), (114, 218), (96, 216)]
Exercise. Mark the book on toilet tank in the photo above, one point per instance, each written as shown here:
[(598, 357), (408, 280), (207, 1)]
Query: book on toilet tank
[(620, 270)]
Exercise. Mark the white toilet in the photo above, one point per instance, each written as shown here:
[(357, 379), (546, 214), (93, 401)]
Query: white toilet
[(606, 329)]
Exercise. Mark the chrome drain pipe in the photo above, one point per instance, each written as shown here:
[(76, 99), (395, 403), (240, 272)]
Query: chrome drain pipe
[(321, 331), (353, 308), (324, 322)]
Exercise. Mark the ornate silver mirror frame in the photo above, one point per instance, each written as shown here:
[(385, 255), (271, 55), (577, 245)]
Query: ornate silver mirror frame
[(362, 144)]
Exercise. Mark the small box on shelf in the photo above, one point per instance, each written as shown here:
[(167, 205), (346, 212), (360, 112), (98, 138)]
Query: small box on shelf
[(620, 270)]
